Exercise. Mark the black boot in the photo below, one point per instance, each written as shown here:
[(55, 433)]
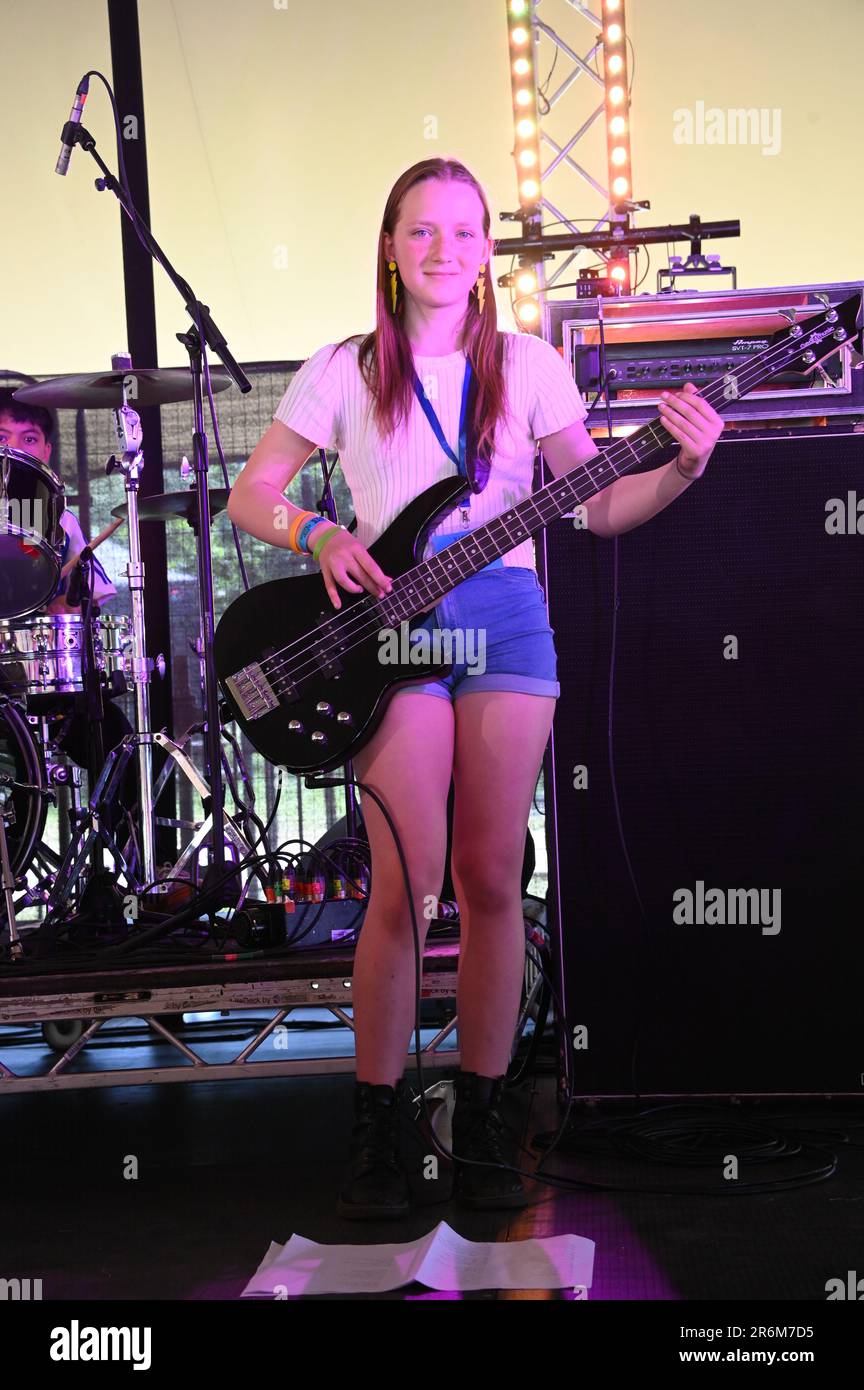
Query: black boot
[(479, 1134), (377, 1188)]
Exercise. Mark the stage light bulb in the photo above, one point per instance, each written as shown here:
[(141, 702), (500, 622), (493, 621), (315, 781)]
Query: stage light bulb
[(529, 189), (620, 186), (526, 281), (525, 127), (618, 272), (519, 35), (527, 158), (613, 33), (529, 313), (521, 66), (613, 5), (616, 95), (518, 7), (523, 97), (619, 155), (614, 63), (617, 125)]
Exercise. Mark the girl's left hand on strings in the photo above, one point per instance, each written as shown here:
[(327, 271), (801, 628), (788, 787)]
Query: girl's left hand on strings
[(694, 423)]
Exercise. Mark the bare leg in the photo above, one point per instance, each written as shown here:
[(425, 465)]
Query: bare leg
[(500, 740), (408, 762)]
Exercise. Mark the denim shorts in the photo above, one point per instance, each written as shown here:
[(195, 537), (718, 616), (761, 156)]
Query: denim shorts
[(498, 633)]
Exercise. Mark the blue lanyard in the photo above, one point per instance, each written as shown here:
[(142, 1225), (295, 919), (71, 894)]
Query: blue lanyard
[(463, 423)]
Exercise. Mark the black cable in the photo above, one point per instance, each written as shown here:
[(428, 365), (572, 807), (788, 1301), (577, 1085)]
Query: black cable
[(674, 1136)]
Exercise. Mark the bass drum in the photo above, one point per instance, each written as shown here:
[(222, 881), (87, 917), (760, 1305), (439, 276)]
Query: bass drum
[(19, 755)]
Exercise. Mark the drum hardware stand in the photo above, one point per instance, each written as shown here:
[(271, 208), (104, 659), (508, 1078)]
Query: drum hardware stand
[(16, 950), (100, 895), (94, 709), (7, 878), (178, 757), (60, 772), (89, 830)]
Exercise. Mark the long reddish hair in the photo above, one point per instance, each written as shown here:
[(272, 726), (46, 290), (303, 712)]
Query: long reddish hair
[(384, 358)]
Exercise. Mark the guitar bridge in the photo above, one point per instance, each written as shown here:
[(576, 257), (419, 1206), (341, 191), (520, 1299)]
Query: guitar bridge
[(252, 692)]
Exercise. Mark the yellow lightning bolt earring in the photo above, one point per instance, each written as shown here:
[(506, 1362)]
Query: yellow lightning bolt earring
[(391, 266), (481, 288)]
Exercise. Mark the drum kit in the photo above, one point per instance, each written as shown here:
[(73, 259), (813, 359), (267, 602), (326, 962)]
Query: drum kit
[(54, 664)]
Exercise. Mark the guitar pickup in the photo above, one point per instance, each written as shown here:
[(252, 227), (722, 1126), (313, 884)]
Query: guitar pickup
[(252, 692), (327, 658)]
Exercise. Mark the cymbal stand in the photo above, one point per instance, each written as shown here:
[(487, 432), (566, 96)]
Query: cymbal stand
[(130, 462)]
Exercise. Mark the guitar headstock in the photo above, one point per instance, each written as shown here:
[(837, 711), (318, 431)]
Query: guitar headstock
[(808, 342)]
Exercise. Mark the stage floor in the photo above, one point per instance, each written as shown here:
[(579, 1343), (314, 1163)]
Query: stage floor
[(224, 1169)]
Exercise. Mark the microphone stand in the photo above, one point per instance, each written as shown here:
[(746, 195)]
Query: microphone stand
[(205, 333)]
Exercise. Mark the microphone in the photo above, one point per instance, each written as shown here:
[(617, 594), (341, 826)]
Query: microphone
[(76, 578), (73, 596), (67, 135)]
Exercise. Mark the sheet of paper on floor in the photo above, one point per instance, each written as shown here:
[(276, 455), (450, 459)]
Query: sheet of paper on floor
[(441, 1260)]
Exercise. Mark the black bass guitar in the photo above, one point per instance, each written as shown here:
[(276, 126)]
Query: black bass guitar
[(309, 685)]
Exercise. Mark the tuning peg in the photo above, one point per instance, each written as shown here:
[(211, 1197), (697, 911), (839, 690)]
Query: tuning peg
[(826, 380), (789, 316)]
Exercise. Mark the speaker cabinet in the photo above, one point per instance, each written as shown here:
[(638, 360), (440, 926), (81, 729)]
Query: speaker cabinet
[(704, 782)]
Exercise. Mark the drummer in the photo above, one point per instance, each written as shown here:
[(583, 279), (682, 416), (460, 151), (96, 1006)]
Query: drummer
[(31, 428)]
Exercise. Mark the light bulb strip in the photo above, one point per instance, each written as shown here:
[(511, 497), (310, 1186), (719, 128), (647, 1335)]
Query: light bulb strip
[(617, 105), (526, 145)]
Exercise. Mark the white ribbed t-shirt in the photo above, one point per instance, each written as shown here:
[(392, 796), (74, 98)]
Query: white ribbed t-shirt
[(328, 403)]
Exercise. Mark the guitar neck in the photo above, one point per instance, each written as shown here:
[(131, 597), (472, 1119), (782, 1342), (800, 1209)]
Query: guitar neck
[(442, 572), (802, 345)]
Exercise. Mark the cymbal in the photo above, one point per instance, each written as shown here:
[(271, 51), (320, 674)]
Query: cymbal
[(168, 506), (145, 386)]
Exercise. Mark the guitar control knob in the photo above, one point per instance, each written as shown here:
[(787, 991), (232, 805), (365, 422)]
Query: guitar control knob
[(343, 717), (318, 737), (323, 707), (294, 726)]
